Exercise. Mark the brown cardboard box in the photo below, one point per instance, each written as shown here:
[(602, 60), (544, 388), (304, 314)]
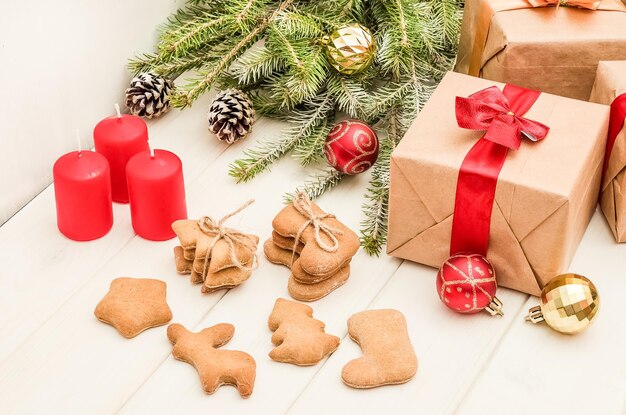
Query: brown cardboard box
[(610, 83), (545, 49), (546, 193)]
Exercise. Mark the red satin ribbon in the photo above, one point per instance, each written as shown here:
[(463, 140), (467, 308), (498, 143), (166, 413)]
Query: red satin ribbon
[(500, 114), (616, 122)]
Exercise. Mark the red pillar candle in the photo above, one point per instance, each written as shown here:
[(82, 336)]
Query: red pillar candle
[(82, 188), (118, 138), (156, 190)]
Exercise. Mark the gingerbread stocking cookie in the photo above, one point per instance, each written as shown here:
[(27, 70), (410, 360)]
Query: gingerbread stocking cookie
[(388, 356)]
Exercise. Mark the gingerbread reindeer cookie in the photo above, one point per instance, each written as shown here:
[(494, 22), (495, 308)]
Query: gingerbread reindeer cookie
[(388, 356), (299, 338), (215, 367)]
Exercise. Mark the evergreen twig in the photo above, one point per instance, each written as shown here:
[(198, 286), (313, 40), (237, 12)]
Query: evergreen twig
[(318, 184)]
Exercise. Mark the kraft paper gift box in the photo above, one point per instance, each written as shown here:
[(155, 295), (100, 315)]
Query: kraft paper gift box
[(611, 83), (545, 195), (542, 48)]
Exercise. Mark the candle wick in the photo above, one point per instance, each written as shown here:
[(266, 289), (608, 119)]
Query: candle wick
[(151, 151), (117, 110), (80, 148)]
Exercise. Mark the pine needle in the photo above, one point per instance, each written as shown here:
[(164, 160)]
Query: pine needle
[(318, 184)]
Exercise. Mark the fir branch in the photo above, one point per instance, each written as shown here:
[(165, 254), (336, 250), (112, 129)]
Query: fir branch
[(207, 28), (256, 65), (307, 68), (318, 184), (376, 207), (185, 97), (352, 8), (266, 105), (303, 124), (385, 98), (350, 95), (298, 25), (311, 148), (260, 159)]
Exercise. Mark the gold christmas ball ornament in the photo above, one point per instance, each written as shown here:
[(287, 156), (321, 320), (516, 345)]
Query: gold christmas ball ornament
[(569, 304), (350, 49)]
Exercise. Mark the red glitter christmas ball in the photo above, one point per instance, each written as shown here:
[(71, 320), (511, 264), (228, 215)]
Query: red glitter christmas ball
[(466, 283), (351, 147)]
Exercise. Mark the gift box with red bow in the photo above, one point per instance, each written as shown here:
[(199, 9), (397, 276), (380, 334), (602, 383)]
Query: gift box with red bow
[(552, 46), (497, 170), (610, 89)]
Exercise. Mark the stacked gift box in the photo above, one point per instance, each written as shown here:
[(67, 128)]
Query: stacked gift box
[(610, 89), (546, 187)]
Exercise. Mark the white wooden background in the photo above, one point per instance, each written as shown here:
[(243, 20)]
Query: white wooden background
[(55, 357)]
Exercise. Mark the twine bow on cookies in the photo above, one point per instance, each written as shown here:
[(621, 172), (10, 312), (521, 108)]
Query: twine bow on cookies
[(233, 237), (302, 203)]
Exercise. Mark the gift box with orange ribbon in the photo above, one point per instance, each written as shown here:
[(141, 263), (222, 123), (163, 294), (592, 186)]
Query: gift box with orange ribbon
[(610, 89), (552, 46), (497, 170)]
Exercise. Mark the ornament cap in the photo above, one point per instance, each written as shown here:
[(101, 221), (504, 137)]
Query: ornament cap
[(495, 307), (535, 315)]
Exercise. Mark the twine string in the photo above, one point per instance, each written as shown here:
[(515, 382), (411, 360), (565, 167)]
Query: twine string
[(302, 203), (232, 237)]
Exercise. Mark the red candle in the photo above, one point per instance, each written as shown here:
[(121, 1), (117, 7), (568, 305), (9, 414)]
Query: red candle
[(118, 138), (82, 188), (156, 190)]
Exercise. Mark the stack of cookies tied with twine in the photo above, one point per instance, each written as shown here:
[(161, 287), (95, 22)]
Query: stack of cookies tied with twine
[(216, 256), (316, 247)]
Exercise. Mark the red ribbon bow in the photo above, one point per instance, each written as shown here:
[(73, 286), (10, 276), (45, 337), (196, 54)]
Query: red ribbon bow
[(492, 110), (489, 110)]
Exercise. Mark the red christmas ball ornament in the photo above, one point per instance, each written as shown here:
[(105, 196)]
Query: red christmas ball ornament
[(351, 147), (466, 283)]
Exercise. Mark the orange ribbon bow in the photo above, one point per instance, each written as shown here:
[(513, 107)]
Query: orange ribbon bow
[(487, 8), (583, 4)]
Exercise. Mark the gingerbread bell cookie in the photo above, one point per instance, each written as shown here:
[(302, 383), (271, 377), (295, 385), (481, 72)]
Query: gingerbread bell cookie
[(215, 256), (388, 356), (133, 305), (215, 366), (299, 338), (315, 245)]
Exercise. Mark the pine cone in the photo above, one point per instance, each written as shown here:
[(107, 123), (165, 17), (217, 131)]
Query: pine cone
[(231, 115), (149, 95)]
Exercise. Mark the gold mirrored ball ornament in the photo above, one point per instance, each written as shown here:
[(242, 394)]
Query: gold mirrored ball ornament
[(569, 304), (350, 49)]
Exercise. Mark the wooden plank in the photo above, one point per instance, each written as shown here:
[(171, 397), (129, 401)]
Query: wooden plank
[(451, 349), (72, 351), (42, 268), (538, 370)]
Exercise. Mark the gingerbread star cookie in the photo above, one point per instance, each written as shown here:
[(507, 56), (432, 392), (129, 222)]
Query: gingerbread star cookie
[(133, 305)]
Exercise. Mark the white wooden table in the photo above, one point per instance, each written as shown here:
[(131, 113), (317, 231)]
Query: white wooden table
[(55, 357)]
